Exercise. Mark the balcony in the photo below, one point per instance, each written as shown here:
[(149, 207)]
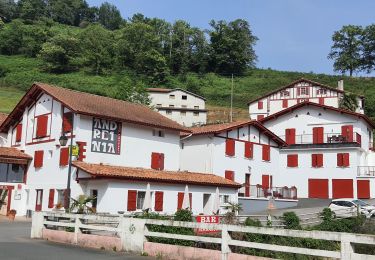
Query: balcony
[(257, 191), (366, 171), (328, 140)]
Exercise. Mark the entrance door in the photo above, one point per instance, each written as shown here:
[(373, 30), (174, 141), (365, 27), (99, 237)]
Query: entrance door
[(347, 132), (318, 133), (39, 200)]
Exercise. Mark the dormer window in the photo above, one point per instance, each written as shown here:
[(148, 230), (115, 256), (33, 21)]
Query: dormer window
[(184, 97), (284, 93), (301, 91), (321, 91)]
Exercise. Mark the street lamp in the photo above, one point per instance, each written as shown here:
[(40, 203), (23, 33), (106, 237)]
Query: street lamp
[(63, 140)]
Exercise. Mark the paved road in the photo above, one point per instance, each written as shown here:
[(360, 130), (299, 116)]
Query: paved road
[(15, 244)]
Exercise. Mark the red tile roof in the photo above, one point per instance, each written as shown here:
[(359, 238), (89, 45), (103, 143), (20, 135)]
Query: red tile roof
[(2, 117), (94, 105), (307, 103), (98, 171), (292, 84), (219, 128), (13, 155)]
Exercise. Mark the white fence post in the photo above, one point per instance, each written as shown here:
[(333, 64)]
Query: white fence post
[(132, 234), (225, 239), (77, 229), (37, 224), (346, 247)]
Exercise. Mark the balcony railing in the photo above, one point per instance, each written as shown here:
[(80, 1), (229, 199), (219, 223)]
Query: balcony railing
[(366, 171), (328, 138), (258, 191)]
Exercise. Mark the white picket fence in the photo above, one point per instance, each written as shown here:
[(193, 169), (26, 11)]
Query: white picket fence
[(133, 233)]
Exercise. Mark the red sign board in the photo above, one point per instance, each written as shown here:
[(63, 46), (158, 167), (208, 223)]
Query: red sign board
[(207, 219)]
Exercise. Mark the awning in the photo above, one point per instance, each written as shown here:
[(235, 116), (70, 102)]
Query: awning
[(14, 156)]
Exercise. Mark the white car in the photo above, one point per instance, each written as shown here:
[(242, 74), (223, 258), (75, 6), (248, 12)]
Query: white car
[(345, 208)]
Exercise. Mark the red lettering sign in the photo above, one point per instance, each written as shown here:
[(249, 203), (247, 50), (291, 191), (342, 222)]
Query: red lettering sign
[(207, 219)]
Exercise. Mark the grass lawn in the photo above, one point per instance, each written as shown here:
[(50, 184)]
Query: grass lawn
[(9, 97)]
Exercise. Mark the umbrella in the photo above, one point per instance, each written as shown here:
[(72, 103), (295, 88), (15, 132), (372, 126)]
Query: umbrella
[(147, 201), (186, 201), (216, 205)]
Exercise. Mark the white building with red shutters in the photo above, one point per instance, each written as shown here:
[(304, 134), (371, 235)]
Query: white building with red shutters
[(245, 152), (329, 151), (296, 92), (128, 156)]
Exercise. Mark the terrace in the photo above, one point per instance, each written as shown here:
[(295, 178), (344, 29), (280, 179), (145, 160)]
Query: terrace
[(258, 191)]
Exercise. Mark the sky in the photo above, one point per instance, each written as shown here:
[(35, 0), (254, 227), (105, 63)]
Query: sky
[(294, 35)]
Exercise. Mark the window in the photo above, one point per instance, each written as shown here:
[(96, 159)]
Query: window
[(168, 112), (302, 91), (196, 107), (64, 156), (321, 101), (183, 113), (343, 160), (285, 103), (171, 105), (158, 105), (172, 96), (260, 117), (229, 175), (196, 113), (141, 195), (41, 126), (184, 106), (67, 122), (18, 133), (317, 160), (230, 147), (292, 160), (180, 200), (51, 198), (60, 197), (94, 194), (11, 173), (249, 150), (159, 197), (266, 152), (284, 93), (38, 159), (260, 104), (157, 161), (159, 133), (321, 91), (184, 97), (224, 199)]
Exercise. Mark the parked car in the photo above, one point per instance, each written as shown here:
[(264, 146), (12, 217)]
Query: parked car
[(345, 208)]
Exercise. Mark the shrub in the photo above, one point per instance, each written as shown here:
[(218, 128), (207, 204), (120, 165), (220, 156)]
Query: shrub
[(291, 220)]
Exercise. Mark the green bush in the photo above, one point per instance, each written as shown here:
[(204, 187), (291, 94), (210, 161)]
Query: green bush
[(291, 220)]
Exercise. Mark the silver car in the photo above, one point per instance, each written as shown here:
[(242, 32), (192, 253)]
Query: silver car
[(345, 208)]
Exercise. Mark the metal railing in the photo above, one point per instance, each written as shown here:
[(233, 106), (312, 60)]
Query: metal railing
[(258, 191), (366, 171), (132, 235), (328, 138)]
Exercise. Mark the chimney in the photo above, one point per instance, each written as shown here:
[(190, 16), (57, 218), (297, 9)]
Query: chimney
[(340, 85)]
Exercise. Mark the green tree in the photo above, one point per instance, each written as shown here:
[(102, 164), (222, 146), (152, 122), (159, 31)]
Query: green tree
[(349, 102), (31, 10), (61, 53), (33, 38), (97, 47), (11, 37), (8, 10), (71, 12), (132, 91), (232, 46), (109, 16), (368, 41), (346, 49)]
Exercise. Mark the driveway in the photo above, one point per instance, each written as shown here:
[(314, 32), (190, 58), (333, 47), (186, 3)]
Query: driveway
[(15, 243)]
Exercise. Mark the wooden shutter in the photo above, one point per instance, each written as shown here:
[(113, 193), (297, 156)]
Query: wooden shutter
[(265, 181), (318, 188), (265, 152), (347, 132), (180, 199), (191, 200), (290, 136), (161, 161), (67, 122), (159, 195), (249, 150), (155, 161), (345, 160), (318, 135), (292, 160), (342, 188), (247, 185), (285, 103), (64, 156), (339, 160), (18, 133), (260, 104), (363, 189), (132, 200), (260, 117), (229, 175), (321, 101), (319, 160), (51, 198), (38, 159), (41, 126), (230, 147)]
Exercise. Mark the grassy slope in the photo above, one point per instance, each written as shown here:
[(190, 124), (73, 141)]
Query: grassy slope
[(22, 72)]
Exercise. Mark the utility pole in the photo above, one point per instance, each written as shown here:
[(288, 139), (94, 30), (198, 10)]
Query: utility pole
[(231, 102)]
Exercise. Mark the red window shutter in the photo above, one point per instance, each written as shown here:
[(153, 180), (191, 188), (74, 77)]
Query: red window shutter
[(321, 101), (347, 132), (161, 161), (339, 160), (363, 189), (319, 160), (155, 161), (159, 195), (180, 199), (247, 185), (260, 104), (292, 160), (249, 150), (229, 175), (345, 160), (313, 160), (191, 200), (38, 159), (64, 156), (260, 117), (290, 136), (265, 181), (265, 152), (230, 147), (318, 135), (18, 133), (132, 200), (285, 103), (67, 122), (51, 198), (41, 126)]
